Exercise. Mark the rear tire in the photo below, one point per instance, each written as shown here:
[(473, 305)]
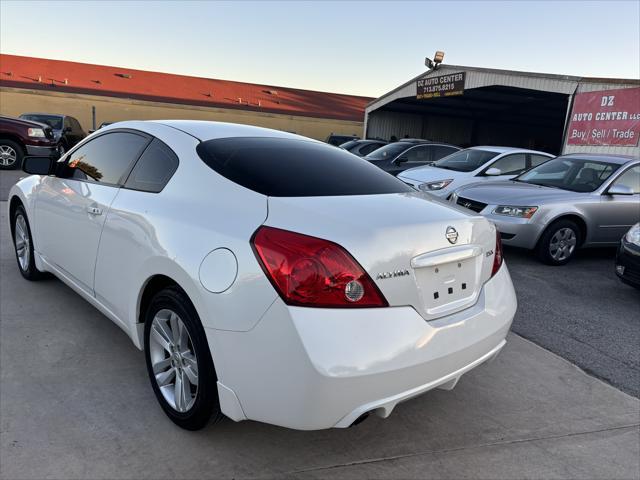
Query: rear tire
[(559, 243), (179, 361), (11, 154), (23, 245)]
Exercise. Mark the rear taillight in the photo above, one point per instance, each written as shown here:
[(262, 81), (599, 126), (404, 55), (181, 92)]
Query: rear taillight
[(497, 257), (312, 272)]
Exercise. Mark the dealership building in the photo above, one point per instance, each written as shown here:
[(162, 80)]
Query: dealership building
[(480, 106), (95, 94)]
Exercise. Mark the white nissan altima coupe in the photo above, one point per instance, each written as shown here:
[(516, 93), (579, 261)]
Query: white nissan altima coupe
[(267, 276)]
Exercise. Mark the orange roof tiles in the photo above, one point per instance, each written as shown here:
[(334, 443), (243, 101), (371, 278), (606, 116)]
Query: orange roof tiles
[(73, 77)]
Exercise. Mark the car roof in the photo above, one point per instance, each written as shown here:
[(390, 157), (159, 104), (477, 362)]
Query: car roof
[(491, 148), (43, 113), (208, 130), (619, 159), (417, 141)]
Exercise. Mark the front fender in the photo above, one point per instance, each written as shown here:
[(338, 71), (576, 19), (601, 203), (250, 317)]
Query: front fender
[(25, 191), (556, 213)]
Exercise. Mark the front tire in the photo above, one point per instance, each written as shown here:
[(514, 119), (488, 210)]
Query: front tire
[(559, 242), (23, 245), (11, 154), (179, 361)]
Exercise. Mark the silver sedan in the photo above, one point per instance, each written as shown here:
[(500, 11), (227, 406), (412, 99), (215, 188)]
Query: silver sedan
[(569, 202)]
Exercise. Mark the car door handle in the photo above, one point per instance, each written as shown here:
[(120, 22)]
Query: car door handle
[(94, 210)]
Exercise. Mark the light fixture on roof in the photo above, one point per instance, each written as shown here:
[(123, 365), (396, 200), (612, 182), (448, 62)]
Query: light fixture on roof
[(123, 75), (437, 60)]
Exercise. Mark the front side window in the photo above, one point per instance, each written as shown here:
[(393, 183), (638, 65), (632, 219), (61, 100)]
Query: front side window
[(420, 154), (106, 158), (389, 152), (466, 160), (570, 173), (631, 179), (442, 151), (511, 164), (282, 167), (154, 168), (538, 159)]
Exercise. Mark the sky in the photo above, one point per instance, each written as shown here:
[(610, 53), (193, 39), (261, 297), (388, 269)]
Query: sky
[(361, 48)]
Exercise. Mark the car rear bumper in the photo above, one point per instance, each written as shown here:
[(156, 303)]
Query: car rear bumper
[(311, 368)]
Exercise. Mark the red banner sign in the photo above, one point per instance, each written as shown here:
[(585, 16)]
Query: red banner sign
[(608, 117)]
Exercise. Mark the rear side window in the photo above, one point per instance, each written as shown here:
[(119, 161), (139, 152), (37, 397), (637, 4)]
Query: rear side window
[(156, 166), (107, 158), (282, 167)]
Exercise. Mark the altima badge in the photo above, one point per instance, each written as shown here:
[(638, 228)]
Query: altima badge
[(395, 273), (452, 235)]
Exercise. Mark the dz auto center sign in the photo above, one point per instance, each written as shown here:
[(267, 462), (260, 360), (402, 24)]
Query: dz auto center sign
[(440, 86), (609, 117)]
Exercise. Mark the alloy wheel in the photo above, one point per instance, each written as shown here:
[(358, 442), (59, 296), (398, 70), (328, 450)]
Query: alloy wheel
[(8, 156), (175, 366), (22, 242), (562, 244)]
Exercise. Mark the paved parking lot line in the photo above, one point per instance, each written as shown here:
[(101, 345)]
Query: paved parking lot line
[(75, 402)]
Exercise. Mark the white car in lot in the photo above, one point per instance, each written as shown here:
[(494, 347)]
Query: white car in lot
[(266, 276), (471, 165)]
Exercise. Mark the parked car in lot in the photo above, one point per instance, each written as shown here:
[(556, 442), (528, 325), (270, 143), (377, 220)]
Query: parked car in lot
[(66, 129), (337, 140), (572, 201), (362, 147), (475, 164), (628, 257), (103, 124), (408, 153), (20, 137), (267, 276)]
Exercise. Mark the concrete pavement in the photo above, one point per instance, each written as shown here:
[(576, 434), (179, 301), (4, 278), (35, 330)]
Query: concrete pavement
[(75, 402)]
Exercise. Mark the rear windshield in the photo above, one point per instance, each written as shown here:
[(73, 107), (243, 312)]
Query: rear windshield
[(51, 120), (350, 144), (282, 167)]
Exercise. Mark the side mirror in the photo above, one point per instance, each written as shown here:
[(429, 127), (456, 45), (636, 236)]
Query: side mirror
[(493, 172), (38, 165), (67, 129), (401, 160), (619, 190)]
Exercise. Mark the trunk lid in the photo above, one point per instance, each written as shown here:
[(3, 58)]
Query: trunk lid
[(402, 241)]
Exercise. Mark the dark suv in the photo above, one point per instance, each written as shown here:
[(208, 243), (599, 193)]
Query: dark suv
[(409, 153), (20, 137), (66, 129)]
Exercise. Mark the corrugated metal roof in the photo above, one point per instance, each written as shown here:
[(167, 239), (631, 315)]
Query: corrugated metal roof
[(491, 76), (73, 77)]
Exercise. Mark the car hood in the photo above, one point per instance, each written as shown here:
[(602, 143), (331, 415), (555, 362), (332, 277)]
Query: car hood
[(510, 192), (431, 174)]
